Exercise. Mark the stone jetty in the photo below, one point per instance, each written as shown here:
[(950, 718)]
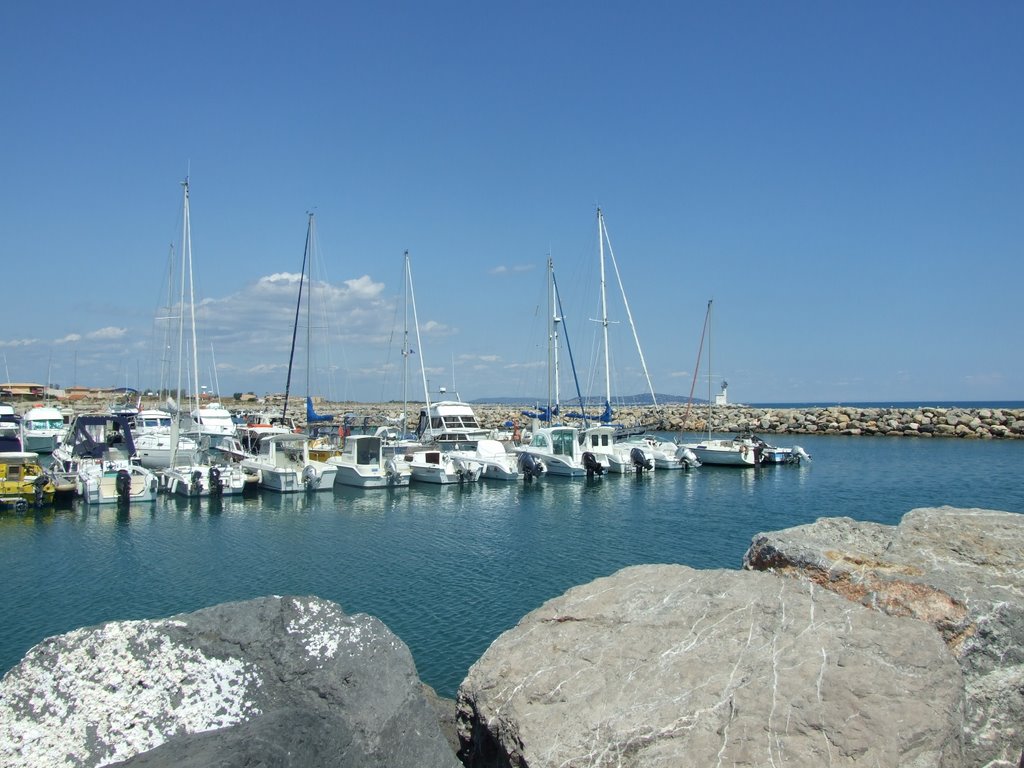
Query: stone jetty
[(923, 421)]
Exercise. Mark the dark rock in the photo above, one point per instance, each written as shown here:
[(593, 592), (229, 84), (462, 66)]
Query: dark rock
[(669, 666), (960, 571), (290, 681)]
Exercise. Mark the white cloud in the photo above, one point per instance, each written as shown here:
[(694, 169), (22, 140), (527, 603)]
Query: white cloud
[(110, 332), (19, 343)]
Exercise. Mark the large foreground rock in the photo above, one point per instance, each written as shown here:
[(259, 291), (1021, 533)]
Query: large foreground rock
[(960, 570), (669, 666), (268, 682)]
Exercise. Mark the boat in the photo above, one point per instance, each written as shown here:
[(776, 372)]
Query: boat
[(283, 465), (42, 428), (560, 448), (363, 463), (664, 453), (744, 449), (615, 456), (10, 429), (731, 452), (430, 461), (156, 441), (197, 451), (23, 482), (97, 459), (453, 427), (432, 465)]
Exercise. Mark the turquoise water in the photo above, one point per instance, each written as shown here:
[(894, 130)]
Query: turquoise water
[(447, 568)]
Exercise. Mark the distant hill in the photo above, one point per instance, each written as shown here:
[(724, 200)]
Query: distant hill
[(593, 402)]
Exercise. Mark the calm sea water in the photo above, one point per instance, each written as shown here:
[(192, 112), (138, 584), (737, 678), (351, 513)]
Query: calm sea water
[(447, 568)]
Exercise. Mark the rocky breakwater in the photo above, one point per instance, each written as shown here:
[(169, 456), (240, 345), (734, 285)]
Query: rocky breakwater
[(960, 571), (277, 681), (663, 665), (926, 421)]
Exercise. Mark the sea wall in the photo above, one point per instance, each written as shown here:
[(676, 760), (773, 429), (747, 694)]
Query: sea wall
[(926, 421)]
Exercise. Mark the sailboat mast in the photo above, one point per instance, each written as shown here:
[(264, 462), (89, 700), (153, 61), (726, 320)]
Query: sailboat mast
[(192, 303), (604, 313), (295, 327), (552, 338), (405, 351), (710, 302), (419, 344), (310, 244), (185, 238)]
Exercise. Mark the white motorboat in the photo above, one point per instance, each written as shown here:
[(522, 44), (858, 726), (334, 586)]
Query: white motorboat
[(620, 458), (452, 426), (204, 479), (98, 459), (664, 453), (154, 441), (362, 463), (42, 429), (561, 451), (211, 425), (283, 465), (432, 465)]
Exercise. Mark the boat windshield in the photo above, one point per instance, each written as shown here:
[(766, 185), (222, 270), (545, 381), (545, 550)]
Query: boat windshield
[(562, 442)]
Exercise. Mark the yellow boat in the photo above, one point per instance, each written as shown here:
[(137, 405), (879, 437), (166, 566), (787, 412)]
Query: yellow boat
[(23, 483)]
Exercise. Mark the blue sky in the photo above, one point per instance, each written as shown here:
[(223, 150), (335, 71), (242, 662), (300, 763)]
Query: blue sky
[(845, 180)]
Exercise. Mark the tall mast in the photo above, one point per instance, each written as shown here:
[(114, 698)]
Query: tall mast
[(405, 350), (710, 301), (419, 344), (191, 302), (604, 313), (295, 327), (552, 338)]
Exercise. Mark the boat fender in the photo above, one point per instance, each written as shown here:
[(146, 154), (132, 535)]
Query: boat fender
[(743, 450)]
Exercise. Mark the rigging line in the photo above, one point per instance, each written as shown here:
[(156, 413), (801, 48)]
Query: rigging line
[(568, 346), (629, 314), (696, 368)]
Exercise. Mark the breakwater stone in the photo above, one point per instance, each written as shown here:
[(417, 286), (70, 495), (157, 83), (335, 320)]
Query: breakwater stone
[(276, 681), (960, 571), (663, 665)]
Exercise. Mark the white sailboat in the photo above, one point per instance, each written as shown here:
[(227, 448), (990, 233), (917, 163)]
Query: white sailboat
[(602, 440), (188, 469), (430, 462), (558, 448), (742, 450), (283, 462)]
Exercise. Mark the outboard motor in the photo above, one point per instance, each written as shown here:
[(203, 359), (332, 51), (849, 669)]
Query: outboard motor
[(687, 458), (592, 465), (640, 460), (38, 489), (800, 453), (123, 485), (530, 466), (196, 486), (310, 478), (216, 482)]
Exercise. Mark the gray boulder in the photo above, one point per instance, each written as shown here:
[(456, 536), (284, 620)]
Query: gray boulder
[(960, 570), (663, 665), (276, 681)]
